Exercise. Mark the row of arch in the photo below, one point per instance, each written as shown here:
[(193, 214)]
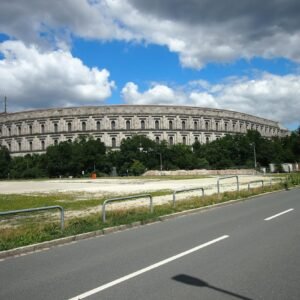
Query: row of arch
[(6, 130), (39, 145)]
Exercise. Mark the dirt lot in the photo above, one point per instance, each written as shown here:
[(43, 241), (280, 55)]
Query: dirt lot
[(112, 187), (118, 187)]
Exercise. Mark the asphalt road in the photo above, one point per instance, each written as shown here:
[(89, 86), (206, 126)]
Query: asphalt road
[(249, 250)]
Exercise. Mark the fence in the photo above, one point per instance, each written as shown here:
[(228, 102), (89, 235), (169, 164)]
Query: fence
[(125, 198), (227, 177), (255, 181), (275, 179), (185, 190), (13, 212)]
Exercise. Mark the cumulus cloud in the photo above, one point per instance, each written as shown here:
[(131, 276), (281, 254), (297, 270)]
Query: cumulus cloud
[(52, 23), (200, 31), (32, 79), (270, 96), (158, 94), (204, 31)]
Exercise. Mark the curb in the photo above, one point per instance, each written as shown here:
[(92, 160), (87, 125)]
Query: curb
[(66, 240)]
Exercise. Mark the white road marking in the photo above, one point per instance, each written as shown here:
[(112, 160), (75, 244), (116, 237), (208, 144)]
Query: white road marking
[(149, 268), (277, 215)]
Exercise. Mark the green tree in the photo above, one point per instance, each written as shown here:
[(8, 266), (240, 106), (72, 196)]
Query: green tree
[(5, 160), (137, 168)]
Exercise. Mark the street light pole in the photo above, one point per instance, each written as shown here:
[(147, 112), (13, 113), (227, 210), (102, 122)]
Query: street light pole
[(161, 165), (254, 155), (141, 149)]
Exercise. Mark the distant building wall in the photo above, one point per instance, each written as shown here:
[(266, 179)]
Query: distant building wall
[(33, 131)]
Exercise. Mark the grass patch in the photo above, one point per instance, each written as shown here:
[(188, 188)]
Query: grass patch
[(67, 201)]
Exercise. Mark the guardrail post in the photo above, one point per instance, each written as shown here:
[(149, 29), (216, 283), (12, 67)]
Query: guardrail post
[(255, 181), (225, 177), (174, 193), (61, 209), (62, 218), (125, 198), (186, 190)]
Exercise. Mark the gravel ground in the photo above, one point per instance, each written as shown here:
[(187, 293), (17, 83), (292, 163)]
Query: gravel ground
[(124, 186), (116, 187)]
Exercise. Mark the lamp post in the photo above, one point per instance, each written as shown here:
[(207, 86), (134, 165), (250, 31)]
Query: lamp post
[(254, 155), (141, 149), (160, 158)]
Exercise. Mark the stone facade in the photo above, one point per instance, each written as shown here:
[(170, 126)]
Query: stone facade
[(33, 131)]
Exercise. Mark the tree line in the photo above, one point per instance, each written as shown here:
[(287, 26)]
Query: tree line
[(138, 154)]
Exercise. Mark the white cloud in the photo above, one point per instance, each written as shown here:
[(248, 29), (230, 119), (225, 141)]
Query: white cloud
[(53, 23), (207, 31), (158, 94), (269, 96), (199, 31), (31, 78)]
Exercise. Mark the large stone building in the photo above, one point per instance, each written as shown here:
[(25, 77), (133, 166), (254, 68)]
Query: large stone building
[(33, 131)]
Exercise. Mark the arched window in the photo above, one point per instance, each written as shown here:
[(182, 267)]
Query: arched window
[(207, 139), (233, 126), (9, 131), (113, 142), (19, 130), (206, 125), (226, 126), (195, 125), (156, 124), (183, 125), (30, 146), (196, 139), (30, 129), (127, 125), (171, 140), (42, 128), (157, 140), (170, 125), (55, 142), (19, 145), (9, 146), (98, 125), (184, 140), (43, 145), (83, 125), (55, 127), (217, 126), (142, 124), (69, 127), (113, 125)]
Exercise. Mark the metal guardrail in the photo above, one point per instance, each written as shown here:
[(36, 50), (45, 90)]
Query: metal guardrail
[(275, 179), (186, 190), (62, 216), (255, 181), (125, 198), (226, 177)]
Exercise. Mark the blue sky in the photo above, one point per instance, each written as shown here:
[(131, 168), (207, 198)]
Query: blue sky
[(73, 53), (144, 64)]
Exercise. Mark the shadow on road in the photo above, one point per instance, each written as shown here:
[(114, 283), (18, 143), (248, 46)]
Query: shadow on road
[(200, 283)]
